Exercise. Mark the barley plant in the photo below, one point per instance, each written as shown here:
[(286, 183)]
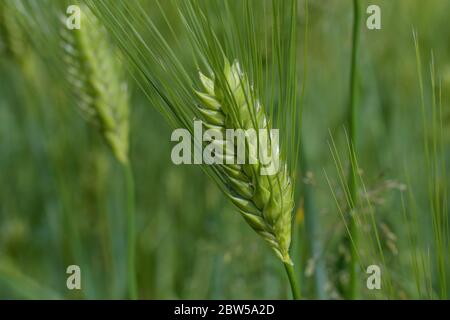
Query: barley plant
[(102, 97), (354, 119)]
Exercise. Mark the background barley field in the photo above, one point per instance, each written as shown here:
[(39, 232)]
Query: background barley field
[(62, 191)]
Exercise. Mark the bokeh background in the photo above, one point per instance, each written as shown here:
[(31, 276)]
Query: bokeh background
[(61, 191)]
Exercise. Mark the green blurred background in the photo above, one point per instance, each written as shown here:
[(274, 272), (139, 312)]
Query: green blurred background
[(61, 191)]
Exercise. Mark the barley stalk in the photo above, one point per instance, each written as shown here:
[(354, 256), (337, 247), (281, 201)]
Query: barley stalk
[(229, 99)]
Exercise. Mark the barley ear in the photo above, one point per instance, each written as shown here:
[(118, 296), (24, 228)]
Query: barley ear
[(265, 201), (95, 77)]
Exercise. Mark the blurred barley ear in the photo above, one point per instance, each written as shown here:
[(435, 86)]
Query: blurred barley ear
[(436, 170), (101, 94), (96, 81)]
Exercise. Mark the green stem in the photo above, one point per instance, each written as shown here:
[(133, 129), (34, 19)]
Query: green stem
[(131, 231), (352, 290), (293, 281)]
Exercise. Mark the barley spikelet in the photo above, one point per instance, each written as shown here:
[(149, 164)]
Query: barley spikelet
[(95, 77), (265, 201)]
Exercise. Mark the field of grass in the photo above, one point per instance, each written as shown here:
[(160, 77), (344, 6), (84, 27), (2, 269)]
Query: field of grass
[(86, 176)]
